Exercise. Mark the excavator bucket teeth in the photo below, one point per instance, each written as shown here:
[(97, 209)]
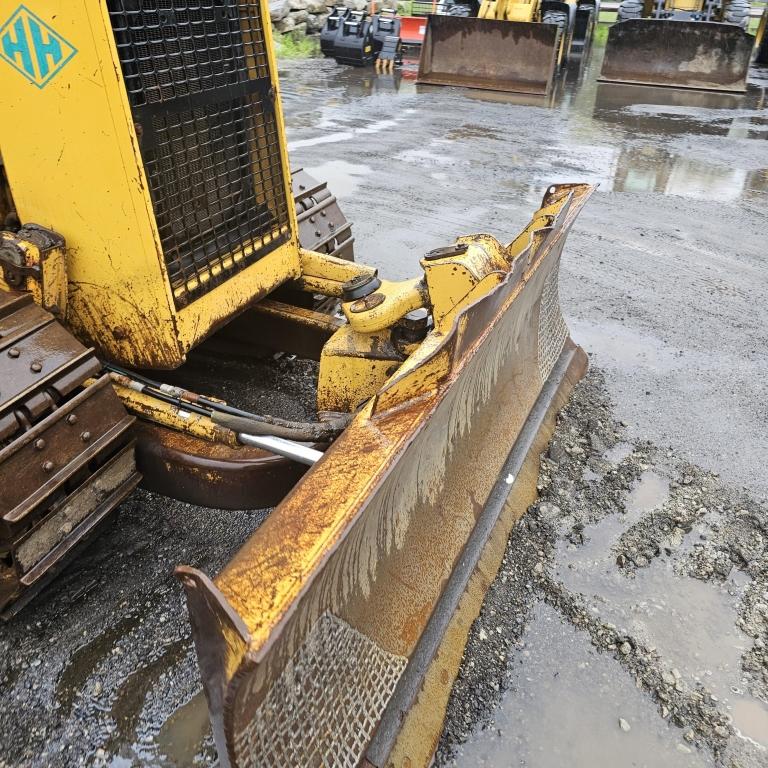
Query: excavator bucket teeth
[(703, 55), (513, 56), (348, 610)]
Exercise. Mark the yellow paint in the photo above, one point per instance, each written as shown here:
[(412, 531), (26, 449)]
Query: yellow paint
[(397, 300), (685, 5), (760, 34), (451, 280), (509, 11), (353, 368), (74, 166), (152, 409), (321, 273), (49, 286)]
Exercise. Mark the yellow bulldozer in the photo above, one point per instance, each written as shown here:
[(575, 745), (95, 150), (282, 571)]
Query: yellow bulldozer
[(699, 44), (149, 230), (511, 46)]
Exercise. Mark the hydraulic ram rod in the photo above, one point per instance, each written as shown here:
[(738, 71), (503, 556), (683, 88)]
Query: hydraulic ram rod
[(287, 448), (290, 449)]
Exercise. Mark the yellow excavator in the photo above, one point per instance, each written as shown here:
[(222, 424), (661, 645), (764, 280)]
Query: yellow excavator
[(508, 46), (699, 44), (149, 231)]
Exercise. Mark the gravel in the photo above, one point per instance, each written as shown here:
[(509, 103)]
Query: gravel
[(558, 523)]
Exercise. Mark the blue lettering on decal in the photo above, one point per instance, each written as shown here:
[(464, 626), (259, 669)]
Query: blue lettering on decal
[(19, 46), (44, 48), (33, 48)]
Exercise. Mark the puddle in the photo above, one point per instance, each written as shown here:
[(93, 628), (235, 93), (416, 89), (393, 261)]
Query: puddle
[(691, 623), (182, 735), (650, 492), (343, 178), (595, 559), (617, 453), (598, 142), (750, 719), (86, 659), (543, 721), (619, 344), (132, 694), (339, 136), (657, 170)]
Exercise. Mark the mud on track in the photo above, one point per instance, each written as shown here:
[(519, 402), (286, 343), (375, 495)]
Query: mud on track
[(664, 283)]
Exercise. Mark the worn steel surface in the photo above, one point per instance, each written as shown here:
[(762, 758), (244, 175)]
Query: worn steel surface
[(66, 454), (198, 471), (519, 57), (380, 523), (322, 225), (679, 54)]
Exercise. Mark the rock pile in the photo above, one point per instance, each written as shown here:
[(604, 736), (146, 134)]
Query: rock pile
[(308, 16)]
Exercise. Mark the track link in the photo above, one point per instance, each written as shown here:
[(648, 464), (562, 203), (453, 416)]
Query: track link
[(322, 225), (66, 449)]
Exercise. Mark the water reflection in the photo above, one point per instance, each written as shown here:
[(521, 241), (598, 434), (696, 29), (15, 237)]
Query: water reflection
[(545, 723), (628, 138)]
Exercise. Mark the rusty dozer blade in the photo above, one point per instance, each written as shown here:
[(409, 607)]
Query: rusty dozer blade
[(334, 635), (706, 55), (514, 56)]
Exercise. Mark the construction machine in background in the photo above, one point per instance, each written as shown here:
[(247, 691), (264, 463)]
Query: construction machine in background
[(701, 44), (160, 237), (358, 38), (761, 40), (331, 27), (509, 46)]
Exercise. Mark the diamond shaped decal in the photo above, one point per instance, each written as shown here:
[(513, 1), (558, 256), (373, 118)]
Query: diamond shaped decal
[(32, 48)]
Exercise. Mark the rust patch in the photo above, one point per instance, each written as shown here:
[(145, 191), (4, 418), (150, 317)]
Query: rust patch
[(371, 542)]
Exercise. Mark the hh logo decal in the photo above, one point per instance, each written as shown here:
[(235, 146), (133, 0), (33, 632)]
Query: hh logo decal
[(30, 46)]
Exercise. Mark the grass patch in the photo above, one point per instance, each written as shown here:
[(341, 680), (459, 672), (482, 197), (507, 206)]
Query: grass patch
[(294, 45)]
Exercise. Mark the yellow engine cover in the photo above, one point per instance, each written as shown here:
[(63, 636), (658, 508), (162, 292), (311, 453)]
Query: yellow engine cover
[(153, 142)]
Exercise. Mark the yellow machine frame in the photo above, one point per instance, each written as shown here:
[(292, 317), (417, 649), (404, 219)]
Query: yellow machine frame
[(509, 11), (120, 297)]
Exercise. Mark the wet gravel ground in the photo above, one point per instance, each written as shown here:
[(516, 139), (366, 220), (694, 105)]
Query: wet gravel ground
[(647, 546), (638, 508), (100, 669)]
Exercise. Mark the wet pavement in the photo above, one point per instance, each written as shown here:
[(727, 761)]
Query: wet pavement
[(628, 622), (564, 711), (663, 282)]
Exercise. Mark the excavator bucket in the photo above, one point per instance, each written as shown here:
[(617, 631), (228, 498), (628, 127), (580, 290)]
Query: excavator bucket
[(334, 635), (705, 55), (513, 56)]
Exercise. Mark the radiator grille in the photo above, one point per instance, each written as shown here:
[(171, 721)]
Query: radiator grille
[(199, 85)]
